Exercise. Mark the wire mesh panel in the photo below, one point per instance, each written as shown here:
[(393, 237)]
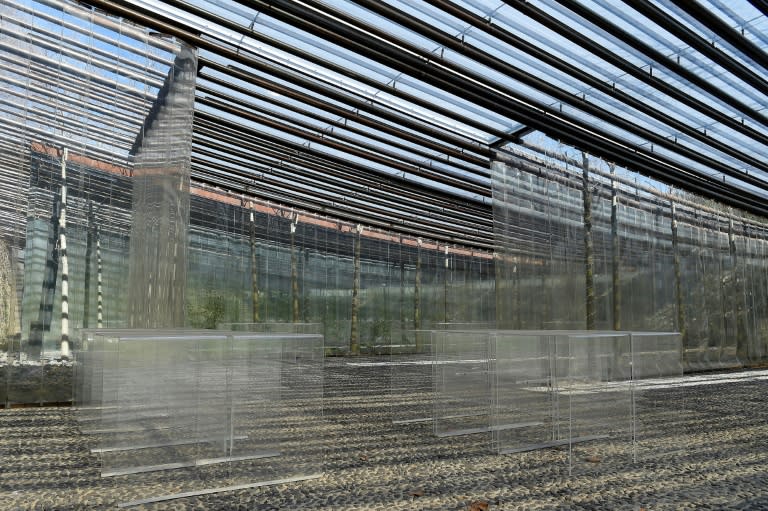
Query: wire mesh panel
[(463, 378), (597, 394)]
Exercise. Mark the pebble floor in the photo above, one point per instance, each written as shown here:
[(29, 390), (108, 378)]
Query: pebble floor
[(709, 452)]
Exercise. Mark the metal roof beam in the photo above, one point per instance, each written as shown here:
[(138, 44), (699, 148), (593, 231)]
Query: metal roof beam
[(273, 153), (340, 28), (497, 64), (389, 205), (332, 66), (446, 154), (380, 157), (296, 148), (760, 5), (730, 35), (404, 153), (359, 104), (704, 46), (314, 201), (593, 47)]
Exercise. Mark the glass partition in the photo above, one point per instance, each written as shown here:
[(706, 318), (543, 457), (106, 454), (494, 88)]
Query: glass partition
[(659, 392), (463, 367), (596, 395), (598, 248), (190, 412), (98, 118), (526, 402)]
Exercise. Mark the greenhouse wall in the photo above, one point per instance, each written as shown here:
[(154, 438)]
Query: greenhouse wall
[(255, 262), (579, 246)]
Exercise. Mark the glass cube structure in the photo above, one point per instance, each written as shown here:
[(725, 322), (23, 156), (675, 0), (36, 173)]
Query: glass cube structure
[(589, 392), (464, 362), (187, 412)]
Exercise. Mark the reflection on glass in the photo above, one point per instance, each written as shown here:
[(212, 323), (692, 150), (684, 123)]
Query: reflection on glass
[(655, 262)]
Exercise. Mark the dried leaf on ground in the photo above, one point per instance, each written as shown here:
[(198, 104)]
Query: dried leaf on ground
[(478, 505), (593, 459)]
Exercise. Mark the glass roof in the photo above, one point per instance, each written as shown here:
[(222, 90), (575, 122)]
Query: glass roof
[(395, 94)]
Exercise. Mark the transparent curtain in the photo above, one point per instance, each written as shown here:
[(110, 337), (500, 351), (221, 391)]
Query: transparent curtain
[(77, 88), (579, 244)]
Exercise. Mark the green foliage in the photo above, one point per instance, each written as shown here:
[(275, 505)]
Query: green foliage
[(381, 331), (207, 311)]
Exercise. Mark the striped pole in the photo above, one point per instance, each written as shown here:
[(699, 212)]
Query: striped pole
[(64, 262), (99, 308)]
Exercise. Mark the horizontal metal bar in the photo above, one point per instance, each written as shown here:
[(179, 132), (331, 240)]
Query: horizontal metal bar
[(343, 125), (656, 55), (124, 29), (599, 85), (337, 68), (529, 79), (723, 30), (296, 147), (348, 145)]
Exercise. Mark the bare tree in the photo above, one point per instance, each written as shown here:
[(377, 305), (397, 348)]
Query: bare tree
[(255, 315), (678, 281), (417, 299), (354, 335), (589, 259), (616, 291)]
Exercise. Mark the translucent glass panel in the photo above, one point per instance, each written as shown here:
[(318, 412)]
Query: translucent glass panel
[(463, 377), (626, 256), (526, 413), (90, 104), (160, 213), (562, 388), (596, 395), (189, 411), (539, 234), (411, 371), (659, 398)]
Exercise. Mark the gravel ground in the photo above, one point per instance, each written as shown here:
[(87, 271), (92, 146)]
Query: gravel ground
[(706, 447)]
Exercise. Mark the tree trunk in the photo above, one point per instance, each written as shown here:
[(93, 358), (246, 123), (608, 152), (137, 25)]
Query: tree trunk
[(87, 277), (445, 288), (9, 325), (616, 287), (255, 305), (295, 313), (500, 292), (678, 281), (354, 335), (99, 293), (417, 301), (305, 287), (589, 260), (402, 297), (737, 295)]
